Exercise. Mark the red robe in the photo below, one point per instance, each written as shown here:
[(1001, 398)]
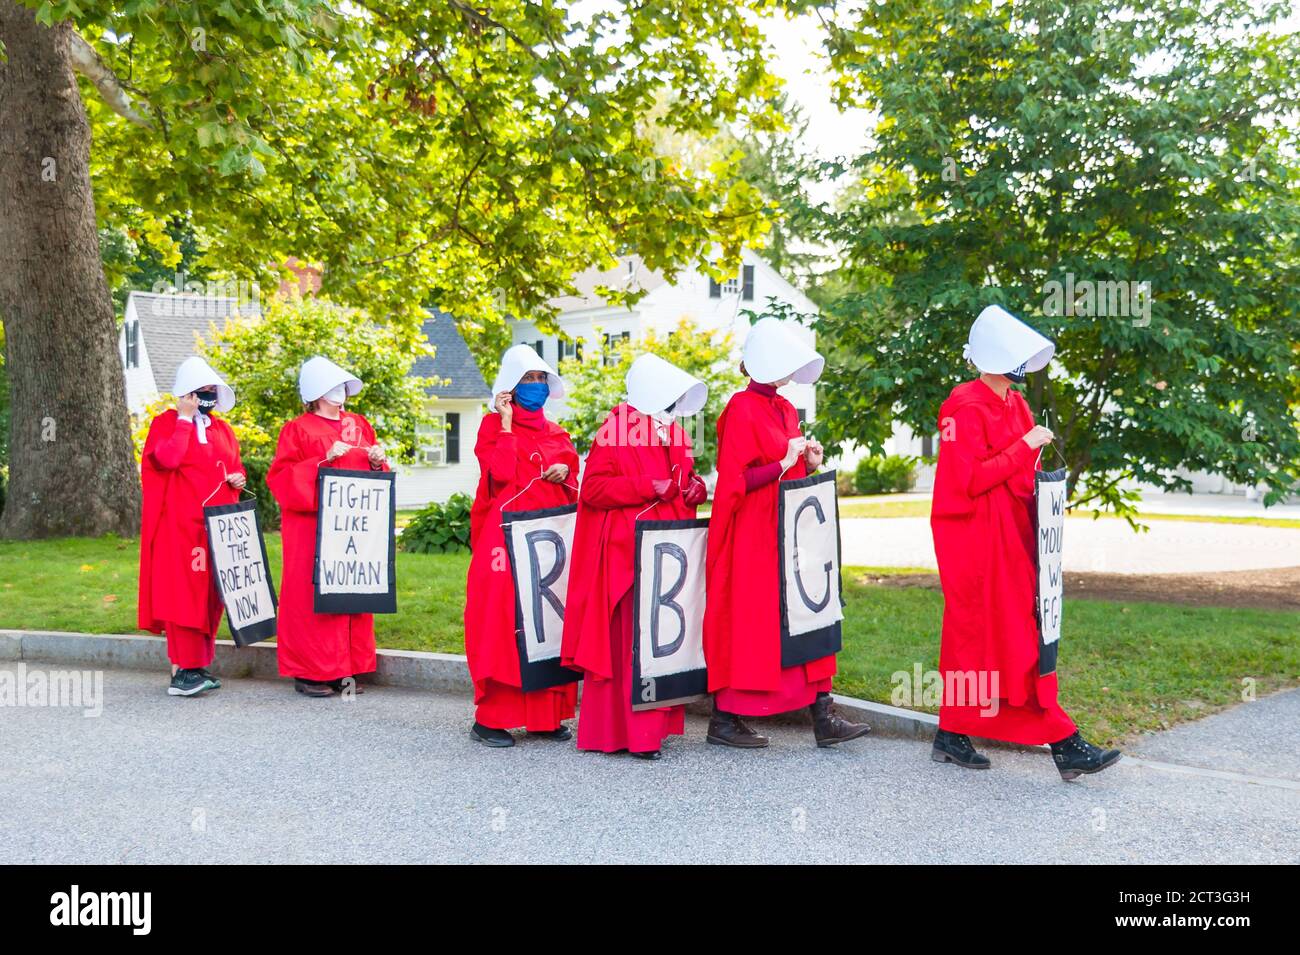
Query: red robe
[(310, 645), (178, 475), (626, 457), (742, 632), (508, 464), (982, 521)]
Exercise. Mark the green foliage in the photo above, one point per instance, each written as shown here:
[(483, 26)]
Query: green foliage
[(473, 156), (596, 384), (439, 528), (260, 358), (1026, 144), (268, 511), (884, 474)]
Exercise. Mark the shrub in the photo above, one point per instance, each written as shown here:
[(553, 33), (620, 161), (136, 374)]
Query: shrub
[(888, 474), (439, 528), (844, 484)]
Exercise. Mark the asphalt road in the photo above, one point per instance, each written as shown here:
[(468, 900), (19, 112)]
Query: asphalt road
[(257, 773), (1104, 546)]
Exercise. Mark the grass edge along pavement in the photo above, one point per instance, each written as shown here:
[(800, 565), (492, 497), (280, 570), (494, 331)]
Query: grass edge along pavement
[(889, 505), (1126, 667)]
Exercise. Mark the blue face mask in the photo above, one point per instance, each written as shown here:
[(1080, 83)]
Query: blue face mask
[(532, 394)]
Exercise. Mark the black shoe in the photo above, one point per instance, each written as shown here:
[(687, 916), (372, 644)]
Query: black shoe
[(1075, 756), (648, 754), (339, 685), (312, 688), (216, 683), (829, 728), (957, 748), (728, 729), (498, 739), (189, 683), (559, 735)]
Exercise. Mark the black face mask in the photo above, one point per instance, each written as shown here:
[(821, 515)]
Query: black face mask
[(1018, 376), (207, 400)]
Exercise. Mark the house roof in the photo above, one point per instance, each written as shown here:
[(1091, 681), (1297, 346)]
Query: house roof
[(452, 364), (170, 323), (631, 271)]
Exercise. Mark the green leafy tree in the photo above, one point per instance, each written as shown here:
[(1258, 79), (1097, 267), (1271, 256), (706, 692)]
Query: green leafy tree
[(1121, 175), (472, 155), (260, 357), (596, 384)]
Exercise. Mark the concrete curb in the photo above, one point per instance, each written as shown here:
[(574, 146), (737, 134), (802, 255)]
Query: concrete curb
[(411, 669)]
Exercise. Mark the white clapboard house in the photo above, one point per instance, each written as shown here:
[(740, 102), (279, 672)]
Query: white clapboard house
[(585, 318), (159, 331)]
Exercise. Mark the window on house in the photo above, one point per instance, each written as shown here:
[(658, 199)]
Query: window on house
[(132, 333), (433, 442), (569, 349), (731, 286), (612, 341), (747, 286)]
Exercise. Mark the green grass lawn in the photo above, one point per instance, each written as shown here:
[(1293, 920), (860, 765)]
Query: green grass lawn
[(1125, 668)]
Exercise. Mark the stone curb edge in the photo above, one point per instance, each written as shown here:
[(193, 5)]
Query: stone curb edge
[(412, 669)]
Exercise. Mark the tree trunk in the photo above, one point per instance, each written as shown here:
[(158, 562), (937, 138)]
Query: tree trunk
[(72, 469)]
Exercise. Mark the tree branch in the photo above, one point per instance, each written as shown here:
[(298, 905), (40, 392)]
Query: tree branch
[(88, 63)]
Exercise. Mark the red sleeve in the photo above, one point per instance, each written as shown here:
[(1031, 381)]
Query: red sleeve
[(168, 453), (761, 475), (292, 477), (604, 487), (986, 473)]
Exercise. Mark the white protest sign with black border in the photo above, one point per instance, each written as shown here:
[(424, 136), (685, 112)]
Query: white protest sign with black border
[(668, 613), (539, 544), (237, 554), (356, 546), (808, 555), (1049, 589)]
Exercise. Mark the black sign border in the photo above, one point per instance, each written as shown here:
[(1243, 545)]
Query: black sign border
[(827, 641), (1047, 652), (357, 603), (548, 673), (684, 687), (263, 629)]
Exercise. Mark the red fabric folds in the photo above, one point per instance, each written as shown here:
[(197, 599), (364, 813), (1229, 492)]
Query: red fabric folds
[(982, 522)]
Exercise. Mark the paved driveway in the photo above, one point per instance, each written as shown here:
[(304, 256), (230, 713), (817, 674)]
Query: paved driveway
[(256, 773), (1105, 545)]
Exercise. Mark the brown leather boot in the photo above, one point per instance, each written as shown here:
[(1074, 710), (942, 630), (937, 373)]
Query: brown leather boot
[(728, 729), (829, 727)]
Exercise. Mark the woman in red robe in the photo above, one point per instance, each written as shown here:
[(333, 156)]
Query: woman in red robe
[(526, 462), (983, 525), (759, 445), (319, 650), (640, 464), (191, 459)]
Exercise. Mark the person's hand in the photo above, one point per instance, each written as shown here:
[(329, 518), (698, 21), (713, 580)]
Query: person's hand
[(696, 492), (665, 489), (337, 450), (556, 473), (504, 407), (187, 406), (376, 455), (1037, 436), (237, 480), (792, 452), (814, 455)]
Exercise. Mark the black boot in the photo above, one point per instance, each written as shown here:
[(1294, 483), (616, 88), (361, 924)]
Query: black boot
[(1075, 756), (829, 727), (559, 735), (313, 688), (650, 754), (728, 729), (957, 748), (497, 739)]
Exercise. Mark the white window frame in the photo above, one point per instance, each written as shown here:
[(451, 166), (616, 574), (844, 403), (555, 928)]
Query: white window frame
[(432, 441)]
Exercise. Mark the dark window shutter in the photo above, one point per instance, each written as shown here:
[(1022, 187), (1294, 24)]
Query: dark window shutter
[(539, 346), (747, 289), (927, 446), (453, 437), (715, 290), (132, 344)]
